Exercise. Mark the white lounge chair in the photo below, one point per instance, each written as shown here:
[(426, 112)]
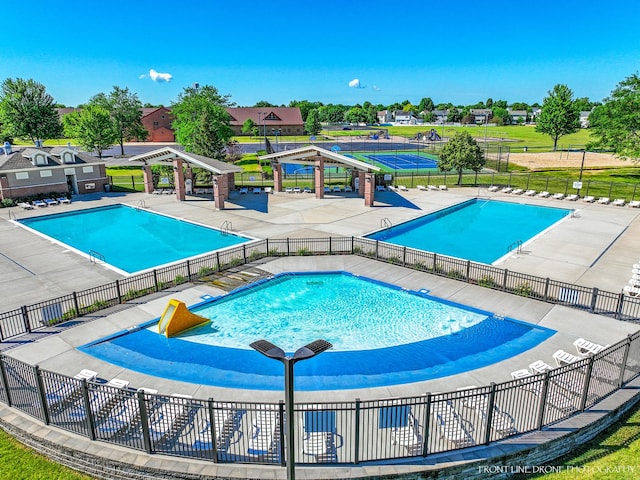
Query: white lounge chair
[(39, 203), (604, 200), (380, 188), (122, 416), (493, 188), (306, 190), (530, 193), (244, 190), (263, 433), (501, 421), (558, 196), (224, 425), (25, 205), (268, 190), (539, 366), (421, 187), (507, 190), (633, 291), (544, 194), (337, 189), (518, 191), (634, 203), (327, 190), (402, 188), (522, 373), (589, 199), (432, 187), (618, 202), (348, 188), (257, 190), (564, 358), (68, 392), (451, 425), (572, 197), (62, 200), (297, 190), (101, 399), (318, 433), (585, 347), (442, 187), (288, 190), (391, 188), (166, 420)]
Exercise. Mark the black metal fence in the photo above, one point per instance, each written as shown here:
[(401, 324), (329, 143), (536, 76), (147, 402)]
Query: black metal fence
[(346, 432), (29, 318)]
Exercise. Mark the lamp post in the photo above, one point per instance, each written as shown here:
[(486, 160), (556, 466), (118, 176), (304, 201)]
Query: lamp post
[(265, 145), (268, 349)]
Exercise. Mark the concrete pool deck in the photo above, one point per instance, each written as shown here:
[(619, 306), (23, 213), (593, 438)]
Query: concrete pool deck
[(596, 247)]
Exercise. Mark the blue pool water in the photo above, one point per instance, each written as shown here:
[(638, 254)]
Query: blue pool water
[(131, 239), (480, 230), (383, 335)]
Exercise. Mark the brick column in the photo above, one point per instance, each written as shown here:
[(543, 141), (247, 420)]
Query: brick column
[(220, 191), (369, 189), (148, 179), (277, 178), (178, 178), (361, 181), (319, 176), (188, 180), (231, 183)]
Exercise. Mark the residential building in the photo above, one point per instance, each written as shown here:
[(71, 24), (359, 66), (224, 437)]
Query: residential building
[(517, 116), (384, 116), (481, 115), (405, 118), (584, 119), (157, 121), (270, 120), (44, 170)]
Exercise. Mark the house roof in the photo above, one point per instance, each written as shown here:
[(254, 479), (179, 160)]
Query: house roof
[(167, 154), (307, 156), (149, 110), (21, 159), (271, 116)]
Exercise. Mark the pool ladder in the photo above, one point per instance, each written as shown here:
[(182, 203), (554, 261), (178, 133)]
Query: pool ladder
[(141, 204), (226, 227), (94, 256), (385, 223), (517, 245)]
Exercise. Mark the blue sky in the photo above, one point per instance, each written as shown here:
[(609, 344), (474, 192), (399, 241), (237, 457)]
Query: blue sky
[(463, 51)]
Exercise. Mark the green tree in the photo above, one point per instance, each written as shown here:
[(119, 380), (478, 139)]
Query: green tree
[(264, 104), (453, 115), (461, 153), (28, 111), (126, 110), (501, 116), (559, 114), (426, 105), (250, 127), (201, 123), (93, 128), (312, 125), (355, 115), (305, 107), (616, 123)]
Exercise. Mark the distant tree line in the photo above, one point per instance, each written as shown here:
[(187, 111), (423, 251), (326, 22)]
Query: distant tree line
[(202, 125)]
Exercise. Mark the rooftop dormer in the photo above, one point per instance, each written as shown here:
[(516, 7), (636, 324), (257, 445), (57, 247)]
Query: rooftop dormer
[(65, 154), (38, 158)]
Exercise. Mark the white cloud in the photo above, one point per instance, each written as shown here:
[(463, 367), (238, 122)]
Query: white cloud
[(355, 83), (142, 76), (159, 77), (375, 87)]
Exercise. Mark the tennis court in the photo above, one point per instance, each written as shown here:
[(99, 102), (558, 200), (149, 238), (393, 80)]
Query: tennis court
[(296, 169), (403, 161)]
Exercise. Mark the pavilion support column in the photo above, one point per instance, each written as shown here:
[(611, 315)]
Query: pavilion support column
[(361, 182), (277, 178), (220, 191), (231, 183), (369, 189), (319, 176), (148, 179), (178, 177)]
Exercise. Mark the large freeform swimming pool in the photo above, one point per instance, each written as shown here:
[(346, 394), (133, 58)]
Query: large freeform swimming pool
[(479, 229), (382, 335), (131, 239)]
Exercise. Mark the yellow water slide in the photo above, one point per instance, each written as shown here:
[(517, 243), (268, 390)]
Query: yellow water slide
[(177, 318)]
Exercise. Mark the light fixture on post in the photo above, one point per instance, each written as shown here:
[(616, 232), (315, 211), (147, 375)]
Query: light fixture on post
[(270, 350)]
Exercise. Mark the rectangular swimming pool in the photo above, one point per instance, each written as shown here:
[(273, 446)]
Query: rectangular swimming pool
[(131, 239), (479, 229)]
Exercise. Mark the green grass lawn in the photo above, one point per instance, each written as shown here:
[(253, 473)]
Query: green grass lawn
[(614, 454), (21, 463)]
